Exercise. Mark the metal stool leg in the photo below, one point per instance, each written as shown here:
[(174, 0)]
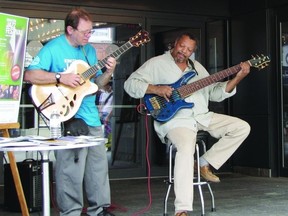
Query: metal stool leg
[(212, 197), (166, 200), (201, 141), (170, 179), (198, 181)]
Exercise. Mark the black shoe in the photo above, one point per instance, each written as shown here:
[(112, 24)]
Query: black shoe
[(105, 213)]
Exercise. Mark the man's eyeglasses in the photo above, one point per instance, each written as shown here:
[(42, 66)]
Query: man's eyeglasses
[(86, 33)]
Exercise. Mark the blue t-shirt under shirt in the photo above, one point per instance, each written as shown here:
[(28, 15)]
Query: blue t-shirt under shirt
[(56, 56)]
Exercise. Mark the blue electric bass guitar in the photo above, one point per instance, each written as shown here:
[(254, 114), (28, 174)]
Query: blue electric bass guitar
[(162, 110)]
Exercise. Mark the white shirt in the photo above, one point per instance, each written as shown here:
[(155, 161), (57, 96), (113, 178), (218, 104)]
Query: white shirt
[(163, 70)]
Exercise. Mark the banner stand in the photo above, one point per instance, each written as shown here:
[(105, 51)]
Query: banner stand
[(18, 185)]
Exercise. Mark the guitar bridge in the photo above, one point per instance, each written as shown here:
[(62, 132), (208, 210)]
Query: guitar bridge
[(155, 113), (49, 101)]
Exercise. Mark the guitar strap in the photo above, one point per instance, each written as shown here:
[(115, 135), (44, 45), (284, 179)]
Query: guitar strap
[(86, 56), (192, 65)]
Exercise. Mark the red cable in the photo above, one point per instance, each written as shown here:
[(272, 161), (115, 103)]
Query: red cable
[(148, 164)]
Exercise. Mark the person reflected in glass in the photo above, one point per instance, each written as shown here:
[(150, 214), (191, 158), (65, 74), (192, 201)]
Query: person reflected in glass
[(105, 108)]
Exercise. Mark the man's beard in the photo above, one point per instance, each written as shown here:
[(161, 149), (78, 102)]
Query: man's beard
[(180, 59)]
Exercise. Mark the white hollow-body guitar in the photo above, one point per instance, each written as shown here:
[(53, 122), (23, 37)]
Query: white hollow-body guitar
[(67, 100)]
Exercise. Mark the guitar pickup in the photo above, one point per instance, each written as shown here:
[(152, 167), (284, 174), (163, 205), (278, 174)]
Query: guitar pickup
[(154, 102)]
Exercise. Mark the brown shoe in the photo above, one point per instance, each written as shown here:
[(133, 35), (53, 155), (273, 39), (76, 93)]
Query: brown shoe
[(181, 214), (208, 175)]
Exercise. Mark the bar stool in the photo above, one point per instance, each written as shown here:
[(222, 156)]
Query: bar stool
[(198, 181)]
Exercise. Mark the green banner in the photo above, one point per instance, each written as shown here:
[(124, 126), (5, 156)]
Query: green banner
[(13, 39)]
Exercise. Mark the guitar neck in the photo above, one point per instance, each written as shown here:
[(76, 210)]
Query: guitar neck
[(101, 64), (187, 90)]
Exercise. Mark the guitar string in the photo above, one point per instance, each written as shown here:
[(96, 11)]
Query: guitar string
[(101, 64), (185, 90)]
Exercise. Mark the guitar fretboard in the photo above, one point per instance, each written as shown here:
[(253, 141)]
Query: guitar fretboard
[(101, 64), (187, 90)]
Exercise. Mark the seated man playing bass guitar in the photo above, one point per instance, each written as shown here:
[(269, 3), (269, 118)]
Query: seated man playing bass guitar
[(179, 125)]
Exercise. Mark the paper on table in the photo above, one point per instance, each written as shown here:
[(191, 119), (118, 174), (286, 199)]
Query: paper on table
[(38, 140), (18, 144), (22, 139), (13, 139), (83, 139)]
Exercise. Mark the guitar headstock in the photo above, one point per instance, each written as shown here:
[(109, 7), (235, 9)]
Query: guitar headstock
[(259, 62), (140, 38)]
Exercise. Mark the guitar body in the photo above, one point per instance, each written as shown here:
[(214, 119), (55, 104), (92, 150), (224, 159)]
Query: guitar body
[(163, 110), (59, 97)]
